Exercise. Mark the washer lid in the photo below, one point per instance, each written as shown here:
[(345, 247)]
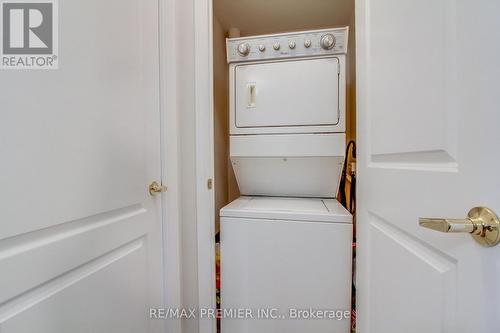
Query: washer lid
[(294, 209)]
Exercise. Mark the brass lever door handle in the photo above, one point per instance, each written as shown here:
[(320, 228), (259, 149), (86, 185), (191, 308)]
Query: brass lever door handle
[(155, 188), (481, 223), (447, 225)]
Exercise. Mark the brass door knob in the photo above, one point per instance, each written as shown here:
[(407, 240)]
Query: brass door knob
[(481, 223), (155, 188)]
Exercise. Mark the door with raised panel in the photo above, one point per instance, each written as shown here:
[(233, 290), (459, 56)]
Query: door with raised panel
[(80, 235), (428, 116)]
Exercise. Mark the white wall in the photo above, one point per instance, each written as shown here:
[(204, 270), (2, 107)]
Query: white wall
[(187, 76), (180, 169)]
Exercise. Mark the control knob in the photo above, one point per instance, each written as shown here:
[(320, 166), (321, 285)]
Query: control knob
[(328, 41), (276, 46), (244, 49)]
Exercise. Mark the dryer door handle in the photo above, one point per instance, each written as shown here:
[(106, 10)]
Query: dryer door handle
[(251, 95)]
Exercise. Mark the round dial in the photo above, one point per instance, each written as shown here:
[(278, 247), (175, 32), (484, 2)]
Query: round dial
[(276, 46), (262, 48), (307, 43), (291, 45), (244, 49), (328, 41)]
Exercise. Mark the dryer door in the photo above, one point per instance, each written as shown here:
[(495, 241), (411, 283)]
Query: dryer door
[(287, 93)]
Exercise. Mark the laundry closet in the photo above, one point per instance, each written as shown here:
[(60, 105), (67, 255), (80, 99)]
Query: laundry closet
[(284, 113)]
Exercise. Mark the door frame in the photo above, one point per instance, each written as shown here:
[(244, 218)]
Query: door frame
[(170, 155), (205, 156), (205, 151), (204, 200), (361, 23)]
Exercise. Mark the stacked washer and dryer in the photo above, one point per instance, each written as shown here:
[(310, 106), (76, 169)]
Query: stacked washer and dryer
[(286, 242)]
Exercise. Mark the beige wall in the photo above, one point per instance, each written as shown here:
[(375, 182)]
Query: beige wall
[(221, 120), (351, 82)]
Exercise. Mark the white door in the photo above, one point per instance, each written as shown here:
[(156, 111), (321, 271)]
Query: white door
[(80, 235), (428, 100)]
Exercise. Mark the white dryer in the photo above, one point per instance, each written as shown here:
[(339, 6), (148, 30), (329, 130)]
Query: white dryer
[(287, 112)]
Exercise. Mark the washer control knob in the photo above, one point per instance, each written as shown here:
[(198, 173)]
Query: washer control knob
[(244, 49), (291, 45), (276, 46), (307, 43), (328, 41), (262, 47)]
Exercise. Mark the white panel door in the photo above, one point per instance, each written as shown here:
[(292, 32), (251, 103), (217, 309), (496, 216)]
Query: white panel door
[(275, 94), (428, 103), (80, 235)]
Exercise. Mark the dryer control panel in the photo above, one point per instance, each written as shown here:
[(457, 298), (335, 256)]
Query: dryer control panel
[(288, 45)]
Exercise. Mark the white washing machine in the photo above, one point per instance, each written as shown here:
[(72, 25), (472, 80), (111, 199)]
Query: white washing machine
[(282, 255), (286, 243)]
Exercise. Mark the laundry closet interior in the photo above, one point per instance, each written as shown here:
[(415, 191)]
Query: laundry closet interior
[(284, 135)]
